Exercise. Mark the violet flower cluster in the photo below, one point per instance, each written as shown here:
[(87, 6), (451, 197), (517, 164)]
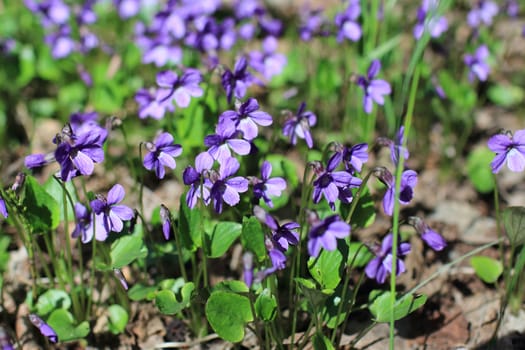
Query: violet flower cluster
[(478, 64), (427, 20), (482, 13)]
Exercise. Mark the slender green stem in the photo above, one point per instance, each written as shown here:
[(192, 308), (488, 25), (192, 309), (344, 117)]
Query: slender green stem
[(179, 249), (396, 214), (357, 196)]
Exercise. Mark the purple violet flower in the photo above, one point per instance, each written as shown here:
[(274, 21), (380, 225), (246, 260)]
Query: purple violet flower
[(325, 233), (149, 106), (282, 235), (245, 118), (312, 22), (109, 212), (408, 182), (333, 184), (247, 264), (482, 13), (478, 64), (194, 177), (396, 146), (298, 125), (268, 62), (225, 139), (179, 89), (427, 20), (266, 186), (83, 226), (161, 154), (165, 216), (127, 8), (433, 239), (3, 207), (53, 12), (512, 7), (374, 89), (509, 149), (226, 188), (62, 45), (381, 266), (346, 22), (235, 83), (44, 328), (353, 157)]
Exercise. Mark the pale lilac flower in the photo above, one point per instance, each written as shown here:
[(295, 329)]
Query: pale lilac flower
[(62, 45), (346, 22), (245, 118), (268, 62), (38, 160), (149, 106), (83, 223), (374, 89), (266, 186), (247, 263), (324, 233), (127, 8), (509, 149), (235, 83), (426, 20), (109, 212), (179, 89), (165, 216), (396, 146), (225, 139), (52, 12), (381, 266), (408, 182), (478, 64), (226, 188), (482, 13), (298, 125), (512, 7), (161, 154), (44, 328), (312, 23), (194, 177)]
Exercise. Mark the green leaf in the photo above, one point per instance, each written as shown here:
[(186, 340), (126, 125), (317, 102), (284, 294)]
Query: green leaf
[(27, 65), (514, 222), (380, 305), (321, 342), (252, 237), (487, 269), (4, 253), (63, 323), (285, 168), (228, 313), (54, 189), (118, 319), (104, 99), (479, 170), (191, 225), (359, 255), (506, 95), (365, 213), (331, 308), (126, 249), (51, 300), (309, 289), (266, 306), (231, 286), (46, 66), (141, 292), (326, 268), (222, 237), (43, 211), (167, 302)]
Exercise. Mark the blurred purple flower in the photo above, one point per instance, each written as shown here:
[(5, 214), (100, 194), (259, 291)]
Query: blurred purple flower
[(165, 216), (86, 14), (109, 212), (266, 187), (247, 8), (346, 22), (325, 233), (396, 146), (247, 264), (194, 178), (3, 207), (433, 239), (298, 125), (120, 276), (245, 118), (178, 89), (510, 149), (268, 62), (482, 13), (374, 89), (161, 154), (478, 64), (235, 83), (426, 19), (226, 188), (312, 22), (127, 8), (512, 7), (83, 223), (52, 12), (44, 328), (381, 266), (408, 182), (225, 139), (38, 160), (149, 106), (62, 45)]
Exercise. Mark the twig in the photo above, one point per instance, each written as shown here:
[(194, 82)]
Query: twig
[(182, 344)]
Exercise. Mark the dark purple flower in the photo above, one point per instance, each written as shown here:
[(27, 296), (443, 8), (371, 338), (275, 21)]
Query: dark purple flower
[(381, 266), (109, 212), (235, 83), (330, 183), (44, 328), (426, 20), (3, 208), (510, 149), (193, 177), (225, 139), (165, 216), (178, 89), (298, 125), (325, 233), (84, 221), (161, 154), (374, 89), (346, 22), (482, 13), (282, 235), (226, 188), (433, 239), (266, 186), (245, 118), (268, 62), (353, 157), (478, 64), (78, 151), (408, 182), (6, 343)]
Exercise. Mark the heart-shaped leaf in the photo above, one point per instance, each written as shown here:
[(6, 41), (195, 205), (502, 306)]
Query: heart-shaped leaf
[(252, 237), (380, 305), (222, 237), (51, 300), (64, 325), (266, 305), (228, 313), (42, 210), (126, 249), (167, 302), (487, 269), (514, 221), (118, 319)]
